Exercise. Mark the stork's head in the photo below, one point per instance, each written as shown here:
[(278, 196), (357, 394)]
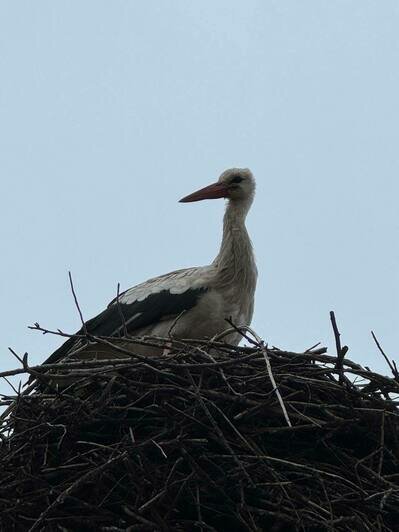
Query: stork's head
[(235, 184)]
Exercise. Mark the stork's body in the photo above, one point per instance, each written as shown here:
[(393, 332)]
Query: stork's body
[(189, 303)]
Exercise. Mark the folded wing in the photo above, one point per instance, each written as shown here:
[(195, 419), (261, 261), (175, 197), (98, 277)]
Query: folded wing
[(141, 306)]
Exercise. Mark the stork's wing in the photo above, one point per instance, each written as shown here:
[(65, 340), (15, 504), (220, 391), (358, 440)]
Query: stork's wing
[(142, 305)]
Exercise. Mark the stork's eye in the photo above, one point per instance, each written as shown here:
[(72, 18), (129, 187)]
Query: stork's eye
[(236, 179)]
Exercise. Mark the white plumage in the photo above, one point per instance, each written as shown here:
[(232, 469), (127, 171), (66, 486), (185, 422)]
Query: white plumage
[(176, 282), (195, 301)]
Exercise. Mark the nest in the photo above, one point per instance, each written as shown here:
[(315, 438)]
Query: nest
[(209, 437)]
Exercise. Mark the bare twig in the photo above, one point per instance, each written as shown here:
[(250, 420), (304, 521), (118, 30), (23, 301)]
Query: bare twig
[(259, 343), (175, 321), (77, 304), (341, 351), (392, 365)]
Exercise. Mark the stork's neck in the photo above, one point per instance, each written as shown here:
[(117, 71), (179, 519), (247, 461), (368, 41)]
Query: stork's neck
[(235, 261)]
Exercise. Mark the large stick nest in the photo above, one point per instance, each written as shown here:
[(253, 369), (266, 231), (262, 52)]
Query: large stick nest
[(200, 439)]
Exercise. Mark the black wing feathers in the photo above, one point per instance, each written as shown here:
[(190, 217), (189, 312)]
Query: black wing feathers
[(136, 315)]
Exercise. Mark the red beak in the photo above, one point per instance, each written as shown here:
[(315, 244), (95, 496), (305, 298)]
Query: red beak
[(216, 190)]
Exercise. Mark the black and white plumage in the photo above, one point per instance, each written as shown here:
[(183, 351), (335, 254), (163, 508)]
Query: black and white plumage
[(203, 297)]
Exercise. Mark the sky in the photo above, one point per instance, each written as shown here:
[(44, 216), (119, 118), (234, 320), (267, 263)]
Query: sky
[(112, 111)]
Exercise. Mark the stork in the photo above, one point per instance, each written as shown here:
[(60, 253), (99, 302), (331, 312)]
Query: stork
[(195, 302)]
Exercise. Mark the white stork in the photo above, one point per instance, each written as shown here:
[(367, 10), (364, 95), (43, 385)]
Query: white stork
[(194, 302)]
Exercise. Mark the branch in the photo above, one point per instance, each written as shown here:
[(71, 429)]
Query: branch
[(341, 351), (392, 365), (77, 304)]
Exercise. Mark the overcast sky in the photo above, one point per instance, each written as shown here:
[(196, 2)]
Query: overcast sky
[(112, 111)]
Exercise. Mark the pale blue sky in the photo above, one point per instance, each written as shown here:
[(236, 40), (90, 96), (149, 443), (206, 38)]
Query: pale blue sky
[(111, 111)]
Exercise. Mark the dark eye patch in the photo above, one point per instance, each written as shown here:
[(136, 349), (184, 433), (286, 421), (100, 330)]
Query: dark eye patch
[(236, 179)]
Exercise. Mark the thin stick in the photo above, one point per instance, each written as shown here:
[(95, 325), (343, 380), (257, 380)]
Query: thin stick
[(63, 495), (77, 304), (175, 323), (16, 355), (393, 369), (263, 349), (341, 351), (275, 387)]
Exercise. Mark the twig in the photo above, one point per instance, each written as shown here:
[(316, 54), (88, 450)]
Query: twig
[(12, 386), (61, 497), (275, 387), (392, 365), (260, 343), (16, 355), (382, 439), (175, 323), (77, 304), (341, 351)]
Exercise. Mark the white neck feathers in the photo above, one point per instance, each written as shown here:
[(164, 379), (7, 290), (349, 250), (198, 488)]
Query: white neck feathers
[(235, 261)]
